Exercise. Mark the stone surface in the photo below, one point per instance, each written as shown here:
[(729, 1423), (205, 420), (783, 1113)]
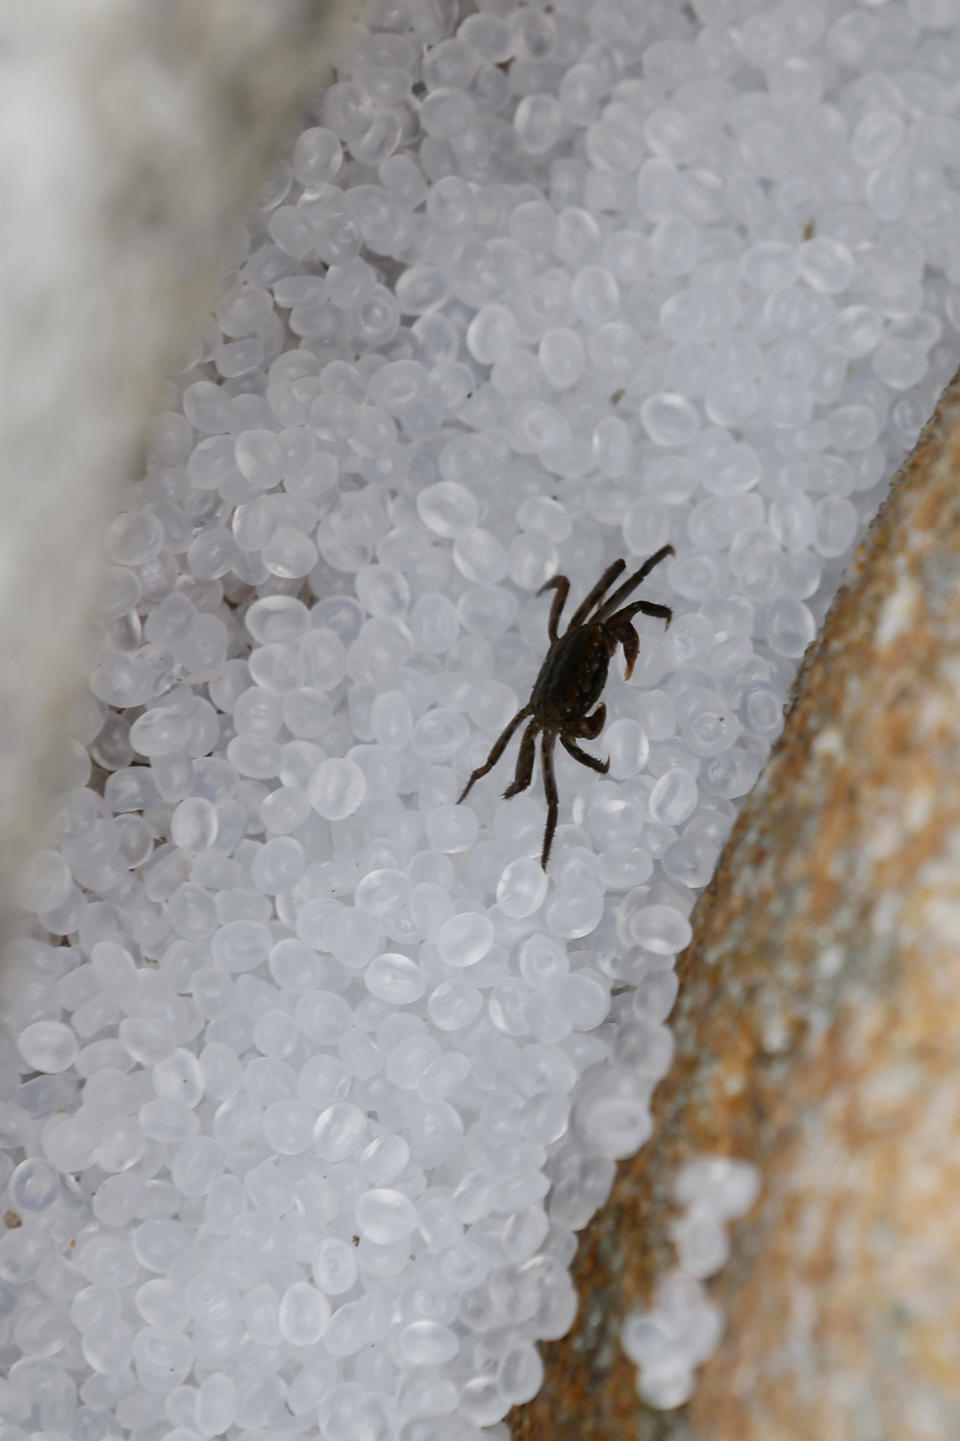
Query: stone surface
[(818, 1035), (133, 137)]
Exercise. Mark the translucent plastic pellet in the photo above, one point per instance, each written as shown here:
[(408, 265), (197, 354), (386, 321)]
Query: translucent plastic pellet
[(447, 508), (191, 912), (690, 861), (674, 797), (410, 1060), (731, 398), (260, 1308), (646, 527), (584, 999), (391, 720), (216, 1404), (876, 138), (669, 419), (278, 865), (790, 627), (162, 1305), (454, 1005), (420, 288), (595, 294), (212, 553), (383, 591), (257, 712), (655, 994), (337, 788), (207, 407), (339, 1131), (711, 727), (574, 911), (304, 1314), (522, 888), (133, 537), (540, 427), (178, 1077), (615, 1115), (204, 647), (48, 1046), (540, 512), (492, 335), (194, 824), (835, 525), (162, 1358), (888, 189), (519, 1374), (660, 929), (323, 1079), (108, 1351), (33, 1186), (674, 245), (768, 265), (762, 711), (612, 446), (826, 264), (196, 1164), (288, 553), (539, 122), (159, 732), (394, 978), (385, 1216), (167, 1121), (533, 560), (334, 1266), (728, 1186), (792, 521), (259, 457), (701, 1242), (465, 939), (852, 427), (241, 945), (562, 357), (438, 735), (488, 34), (627, 746), (466, 459), (427, 1343)]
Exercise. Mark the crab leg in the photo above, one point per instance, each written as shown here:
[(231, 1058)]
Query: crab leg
[(643, 607), (613, 602), (572, 749), (590, 600), (550, 787), (561, 585), (499, 746), (591, 725), (525, 759)]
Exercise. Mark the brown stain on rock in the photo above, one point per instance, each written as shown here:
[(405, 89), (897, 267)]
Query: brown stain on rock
[(818, 1035)]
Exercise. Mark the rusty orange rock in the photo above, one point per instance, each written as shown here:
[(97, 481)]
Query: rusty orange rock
[(818, 1035)]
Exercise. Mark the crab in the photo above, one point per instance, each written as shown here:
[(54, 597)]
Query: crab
[(571, 681)]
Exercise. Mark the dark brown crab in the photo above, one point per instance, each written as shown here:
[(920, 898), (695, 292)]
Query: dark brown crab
[(571, 680)]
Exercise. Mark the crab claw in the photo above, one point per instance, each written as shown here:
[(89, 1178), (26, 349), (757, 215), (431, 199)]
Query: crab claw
[(631, 648), (591, 725)]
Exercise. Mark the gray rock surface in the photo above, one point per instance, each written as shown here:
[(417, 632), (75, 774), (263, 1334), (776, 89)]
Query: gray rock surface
[(133, 136)]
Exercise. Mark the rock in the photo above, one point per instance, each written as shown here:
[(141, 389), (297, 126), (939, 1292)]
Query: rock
[(133, 138), (818, 1035)]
